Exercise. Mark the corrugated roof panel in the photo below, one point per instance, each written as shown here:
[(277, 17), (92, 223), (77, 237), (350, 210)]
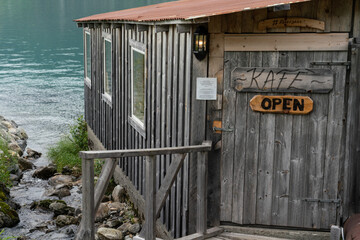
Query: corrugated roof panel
[(184, 10)]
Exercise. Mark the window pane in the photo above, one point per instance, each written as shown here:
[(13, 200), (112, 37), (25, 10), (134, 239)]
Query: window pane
[(138, 85), (88, 55), (107, 68)]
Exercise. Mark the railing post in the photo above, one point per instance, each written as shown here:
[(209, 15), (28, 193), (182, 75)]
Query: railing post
[(201, 221), (150, 204), (87, 228)]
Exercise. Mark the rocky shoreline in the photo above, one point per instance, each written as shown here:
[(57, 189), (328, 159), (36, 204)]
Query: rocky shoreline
[(55, 197)]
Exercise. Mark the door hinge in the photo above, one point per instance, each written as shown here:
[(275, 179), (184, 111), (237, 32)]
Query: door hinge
[(347, 64), (223, 129), (335, 201)]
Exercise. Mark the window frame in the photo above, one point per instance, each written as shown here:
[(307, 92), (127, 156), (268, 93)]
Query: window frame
[(87, 79), (106, 96), (134, 120)]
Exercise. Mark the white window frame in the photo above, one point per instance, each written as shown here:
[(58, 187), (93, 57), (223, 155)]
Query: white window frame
[(87, 79), (106, 97), (133, 120)]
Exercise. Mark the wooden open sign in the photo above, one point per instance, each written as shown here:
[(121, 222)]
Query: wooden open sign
[(282, 104)]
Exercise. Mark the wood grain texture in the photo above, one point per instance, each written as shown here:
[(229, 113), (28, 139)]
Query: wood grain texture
[(291, 22), (287, 42), (282, 104)]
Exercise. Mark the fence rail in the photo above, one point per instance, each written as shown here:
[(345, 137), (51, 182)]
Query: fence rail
[(154, 199)]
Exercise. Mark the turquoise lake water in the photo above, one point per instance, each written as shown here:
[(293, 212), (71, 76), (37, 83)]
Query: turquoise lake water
[(41, 63)]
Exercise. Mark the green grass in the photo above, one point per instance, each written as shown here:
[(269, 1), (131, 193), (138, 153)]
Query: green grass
[(6, 161), (66, 151), (6, 238)]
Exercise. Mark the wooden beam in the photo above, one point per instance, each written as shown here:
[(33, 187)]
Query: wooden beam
[(287, 42), (212, 232), (201, 220), (106, 25), (150, 193), (87, 225), (161, 28), (103, 181), (183, 28), (205, 147), (129, 26), (142, 27), (167, 182), (138, 201)]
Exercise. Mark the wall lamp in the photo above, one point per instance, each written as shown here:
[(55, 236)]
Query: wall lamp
[(201, 43)]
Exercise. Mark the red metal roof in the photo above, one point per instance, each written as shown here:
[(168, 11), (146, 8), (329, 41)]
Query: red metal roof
[(184, 10)]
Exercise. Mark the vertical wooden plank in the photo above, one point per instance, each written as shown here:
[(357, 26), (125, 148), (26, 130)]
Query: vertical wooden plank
[(351, 166), (201, 224), (266, 155), (197, 134), (341, 16), (335, 141), (232, 23), (239, 147), (150, 204), (174, 113), (324, 13), (282, 154), (187, 109), (88, 219), (180, 130), (227, 159), (252, 152), (316, 155), (168, 126), (164, 46)]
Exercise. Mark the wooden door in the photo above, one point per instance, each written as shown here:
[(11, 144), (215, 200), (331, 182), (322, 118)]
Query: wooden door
[(282, 169)]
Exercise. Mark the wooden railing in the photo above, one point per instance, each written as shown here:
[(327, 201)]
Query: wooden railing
[(154, 200)]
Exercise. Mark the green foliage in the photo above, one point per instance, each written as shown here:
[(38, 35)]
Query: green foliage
[(6, 161), (6, 238), (66, 151)]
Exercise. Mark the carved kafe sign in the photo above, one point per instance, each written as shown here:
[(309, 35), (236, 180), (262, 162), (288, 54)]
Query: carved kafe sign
[(291, 22), (259, 79), (282, 104)]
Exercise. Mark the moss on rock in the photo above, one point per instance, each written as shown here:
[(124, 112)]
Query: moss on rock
[(8, 216)]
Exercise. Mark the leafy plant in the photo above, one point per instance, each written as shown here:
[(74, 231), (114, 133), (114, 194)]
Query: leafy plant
[(6, 238), (66, 151), (6, 161)]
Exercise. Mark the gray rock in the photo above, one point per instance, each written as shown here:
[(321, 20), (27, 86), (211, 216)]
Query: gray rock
[(64, 220), (22, 134), (127, 237), (60, 193), (109, 234), (114, 223), (8, 216), (116, 206), (102, 212), (119, 194), (135, 228), (22, 144), (13, 146), (25, 164), (124, 228), (32, 153), (60, 179), (45, 172)]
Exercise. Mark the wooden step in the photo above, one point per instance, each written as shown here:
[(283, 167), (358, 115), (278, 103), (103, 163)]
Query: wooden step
[(241, 236)]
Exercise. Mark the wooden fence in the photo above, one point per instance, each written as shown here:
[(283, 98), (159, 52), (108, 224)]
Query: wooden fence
[(154, 198)]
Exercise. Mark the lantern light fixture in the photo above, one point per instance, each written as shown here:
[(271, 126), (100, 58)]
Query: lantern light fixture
[(201, 41)]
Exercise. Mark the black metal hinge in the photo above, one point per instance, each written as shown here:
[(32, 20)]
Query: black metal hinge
[(347, 64), (335, 201)]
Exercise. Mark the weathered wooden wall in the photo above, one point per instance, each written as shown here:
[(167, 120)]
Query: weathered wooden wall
[(338, 18), (169, 108)]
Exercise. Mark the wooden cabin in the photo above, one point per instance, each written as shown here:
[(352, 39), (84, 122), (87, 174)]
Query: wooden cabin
[(273, 84)]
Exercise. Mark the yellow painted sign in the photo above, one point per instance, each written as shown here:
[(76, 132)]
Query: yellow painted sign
[(282, 104)]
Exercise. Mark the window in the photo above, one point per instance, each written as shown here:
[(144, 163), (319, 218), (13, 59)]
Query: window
[(87, 58), (107, 68), (137, 117)]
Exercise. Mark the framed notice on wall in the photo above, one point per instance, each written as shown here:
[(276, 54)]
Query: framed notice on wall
[(206, 88)]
